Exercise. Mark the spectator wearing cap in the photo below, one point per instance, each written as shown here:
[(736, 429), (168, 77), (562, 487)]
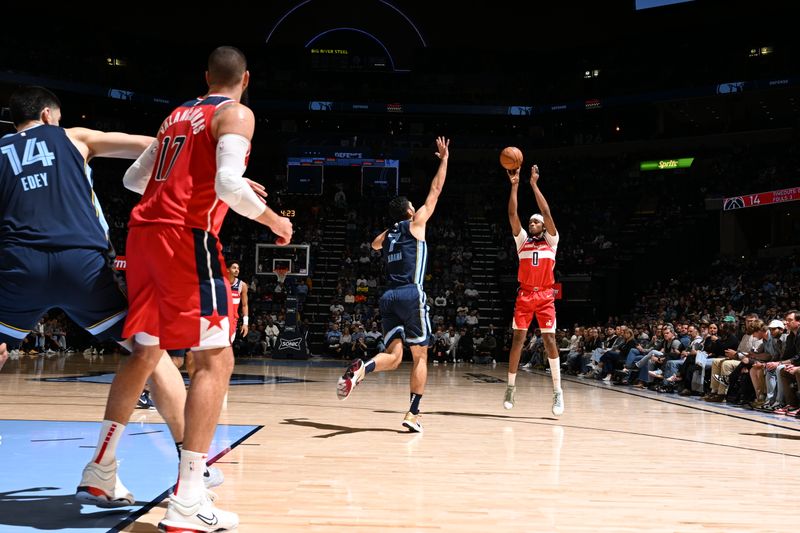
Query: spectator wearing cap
[(773, 348)]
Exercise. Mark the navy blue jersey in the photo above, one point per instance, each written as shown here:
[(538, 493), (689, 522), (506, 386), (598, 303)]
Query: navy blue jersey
[(405, 256), (46, 199)]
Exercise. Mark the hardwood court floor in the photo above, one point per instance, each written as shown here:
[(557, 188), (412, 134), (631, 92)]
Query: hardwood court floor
[(617, 460)]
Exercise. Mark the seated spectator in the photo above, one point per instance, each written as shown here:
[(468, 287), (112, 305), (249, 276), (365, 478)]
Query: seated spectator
[(252, 343), (333, 340), (271, 333), (359, 342), (441, 345), (486, 350), (466, 346), (375, 340), (346, 341)]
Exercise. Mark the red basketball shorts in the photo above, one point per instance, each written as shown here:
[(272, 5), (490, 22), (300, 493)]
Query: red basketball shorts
[(540, 303), (177, 288)]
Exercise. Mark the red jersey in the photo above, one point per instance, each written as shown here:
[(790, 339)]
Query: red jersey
[(181, 187), (537, 260), (236, 294)]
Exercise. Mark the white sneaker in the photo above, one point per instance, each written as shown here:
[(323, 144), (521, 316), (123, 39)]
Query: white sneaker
[(213, 477), (200, 515), (558, 402), (101, 486)]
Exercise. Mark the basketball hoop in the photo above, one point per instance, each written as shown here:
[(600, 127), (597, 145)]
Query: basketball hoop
[(281, 273)]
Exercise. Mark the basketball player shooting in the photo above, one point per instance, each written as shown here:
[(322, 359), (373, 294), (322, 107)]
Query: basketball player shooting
[(536, 249)]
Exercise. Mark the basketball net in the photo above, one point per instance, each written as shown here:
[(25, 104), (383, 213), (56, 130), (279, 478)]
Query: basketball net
[(281, 273)]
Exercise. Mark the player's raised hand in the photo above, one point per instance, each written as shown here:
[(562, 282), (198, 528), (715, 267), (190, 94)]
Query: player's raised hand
[(534, 174), (513, 175), (442, 147)]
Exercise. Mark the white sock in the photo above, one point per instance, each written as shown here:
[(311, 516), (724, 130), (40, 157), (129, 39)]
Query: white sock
[(190, 484), (512, 378), (555, 372), (106, 451)]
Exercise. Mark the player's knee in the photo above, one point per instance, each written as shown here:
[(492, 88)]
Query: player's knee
[(216, 361), (149, 355)]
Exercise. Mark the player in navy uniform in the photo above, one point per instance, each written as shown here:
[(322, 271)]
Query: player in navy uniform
[(64, 255), (403, 306)]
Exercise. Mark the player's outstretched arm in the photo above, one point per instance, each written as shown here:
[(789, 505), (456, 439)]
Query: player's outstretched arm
[(513, 217), (377, 244), (138, 174), (424, 213), (544, 207), (94, 143)]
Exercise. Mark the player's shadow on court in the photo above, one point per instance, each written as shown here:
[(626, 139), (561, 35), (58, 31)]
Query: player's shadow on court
[(483, 415), (334, 429), (773, 435), (25, 508)]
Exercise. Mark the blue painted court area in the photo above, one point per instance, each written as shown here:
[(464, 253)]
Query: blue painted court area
[(41, 464), (236, 379)]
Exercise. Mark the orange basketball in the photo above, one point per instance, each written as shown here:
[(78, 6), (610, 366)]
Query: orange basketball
[(511, 158)]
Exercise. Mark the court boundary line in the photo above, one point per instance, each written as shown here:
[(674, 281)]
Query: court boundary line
[(134, 516), (622, 390)]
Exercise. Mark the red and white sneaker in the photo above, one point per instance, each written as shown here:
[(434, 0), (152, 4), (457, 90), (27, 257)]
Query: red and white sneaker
[(101, 486), (351, 377)]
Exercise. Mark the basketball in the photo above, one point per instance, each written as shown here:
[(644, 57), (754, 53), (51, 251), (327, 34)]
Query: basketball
[(511, 158)]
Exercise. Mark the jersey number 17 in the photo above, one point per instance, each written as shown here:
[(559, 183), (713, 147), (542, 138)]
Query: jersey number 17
[(167, 145)]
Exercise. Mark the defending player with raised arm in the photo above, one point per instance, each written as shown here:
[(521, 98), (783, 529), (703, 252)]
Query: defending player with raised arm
[(403, 306), (188, 180), (536, 250)]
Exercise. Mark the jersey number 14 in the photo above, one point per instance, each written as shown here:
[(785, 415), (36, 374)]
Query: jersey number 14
[(35, 152)]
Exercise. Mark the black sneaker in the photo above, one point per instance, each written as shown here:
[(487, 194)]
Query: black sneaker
[(145, 402)]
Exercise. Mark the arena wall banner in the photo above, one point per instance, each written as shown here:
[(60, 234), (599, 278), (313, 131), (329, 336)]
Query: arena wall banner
[(761, 198)]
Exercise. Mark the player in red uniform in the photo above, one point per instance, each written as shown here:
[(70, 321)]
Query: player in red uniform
[(536, 249), (238, 296), (189, 177)]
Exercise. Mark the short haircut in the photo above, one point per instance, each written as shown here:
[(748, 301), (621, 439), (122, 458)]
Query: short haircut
[(27, 103), (791, 312), (226, 66), (398, 208)]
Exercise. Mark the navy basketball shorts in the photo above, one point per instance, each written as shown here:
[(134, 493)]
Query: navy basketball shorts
[(404, 314), (81, 282)]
